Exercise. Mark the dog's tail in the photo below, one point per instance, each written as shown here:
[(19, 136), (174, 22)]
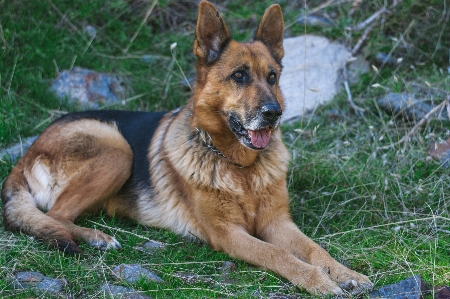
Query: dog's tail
[(21, 214)]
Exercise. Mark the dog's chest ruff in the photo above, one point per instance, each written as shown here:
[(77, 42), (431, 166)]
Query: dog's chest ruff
[(204, 177)]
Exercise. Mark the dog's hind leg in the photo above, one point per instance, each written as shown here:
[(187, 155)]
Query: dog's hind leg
[(71, 169), (89, 190)]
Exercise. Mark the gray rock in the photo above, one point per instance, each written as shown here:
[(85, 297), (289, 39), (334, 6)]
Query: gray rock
[(193, 278), (410, 288), (384, 58), (312, 67), (152, 245), (406, 106), (88, 87), (440, 151), (442, 292), (227, 268), (133, 273), (16, 151), (314, 20), (38, 282), (121, 292)]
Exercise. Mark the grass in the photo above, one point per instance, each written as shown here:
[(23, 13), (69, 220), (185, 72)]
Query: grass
[(384, 213)]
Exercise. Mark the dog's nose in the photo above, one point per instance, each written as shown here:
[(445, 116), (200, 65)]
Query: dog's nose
[(271, 111)]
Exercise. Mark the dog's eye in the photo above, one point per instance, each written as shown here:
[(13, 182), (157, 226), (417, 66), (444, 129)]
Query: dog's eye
[(272, 78), (240, 77)]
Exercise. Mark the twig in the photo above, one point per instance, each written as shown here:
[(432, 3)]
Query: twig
[(394, 48), (373, 17), (126, 232), (314, 10), (362, 39), (147, 14), (126, 100), (71, 25), (2, 36), (357, 109), (383, 225), (172, 50), (417, 126), (369, 20), (12, 74)]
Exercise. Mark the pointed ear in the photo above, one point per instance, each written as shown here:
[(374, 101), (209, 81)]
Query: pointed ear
[(211, 33), (271, 31)]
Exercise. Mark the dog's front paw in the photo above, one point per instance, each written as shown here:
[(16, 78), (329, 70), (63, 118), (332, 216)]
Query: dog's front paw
[(351, 281), (319, 283)]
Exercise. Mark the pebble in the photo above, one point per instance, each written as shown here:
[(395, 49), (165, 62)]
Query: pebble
[(314, 20), (132, 273), (442, 292), (39, 282), (410, 288), (89, 87), (16, 151), (121, 292), (441, 152), (405, 105)]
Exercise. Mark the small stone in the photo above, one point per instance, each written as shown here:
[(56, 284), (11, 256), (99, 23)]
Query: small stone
[(442, 292), (16, 151), (38, 282), (441, 151), (410, 288), (385, 58), (153, 246), (282, 296), (133, 273), (193, 278), (88, 87), (121, 292), (228, 267), (90, 30), (405, 105), (314, 20)]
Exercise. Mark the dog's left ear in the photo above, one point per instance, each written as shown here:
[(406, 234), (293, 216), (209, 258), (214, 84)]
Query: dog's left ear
[(211, 33), (271, 31)]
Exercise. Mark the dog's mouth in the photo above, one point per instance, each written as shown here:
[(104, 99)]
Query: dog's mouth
[(257, 139)]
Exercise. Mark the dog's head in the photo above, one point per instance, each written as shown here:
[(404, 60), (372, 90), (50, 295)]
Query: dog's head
[(237, 90)]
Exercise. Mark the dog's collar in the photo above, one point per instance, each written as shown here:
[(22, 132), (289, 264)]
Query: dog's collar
[(207, 141)]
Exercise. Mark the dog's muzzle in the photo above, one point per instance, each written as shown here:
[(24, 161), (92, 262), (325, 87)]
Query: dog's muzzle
[(255, 133)]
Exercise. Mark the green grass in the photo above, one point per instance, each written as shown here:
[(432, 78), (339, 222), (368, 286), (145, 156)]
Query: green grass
[(384, 213)]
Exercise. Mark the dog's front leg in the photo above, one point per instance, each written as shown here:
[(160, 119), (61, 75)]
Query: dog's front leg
[(235, 241), (283, 232)]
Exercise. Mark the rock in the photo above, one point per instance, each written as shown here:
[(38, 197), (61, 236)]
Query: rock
[(406, 105), (410, 288), (441, 152), (227, 268), (312, 67), (90, 31), (133, 273), (193, 278), (121, 292), (282, 296), (314, 20), (16, 151), (88, 87), (153, 245), (442, 292), (38, 282), (385, 58)]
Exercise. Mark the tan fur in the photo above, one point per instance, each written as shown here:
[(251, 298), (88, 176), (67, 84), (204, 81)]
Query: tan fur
[(205, 182)]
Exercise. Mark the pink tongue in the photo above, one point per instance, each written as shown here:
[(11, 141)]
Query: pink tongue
[(260, 138)]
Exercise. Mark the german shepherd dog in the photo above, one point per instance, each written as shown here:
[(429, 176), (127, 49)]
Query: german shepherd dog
[(214, 169)]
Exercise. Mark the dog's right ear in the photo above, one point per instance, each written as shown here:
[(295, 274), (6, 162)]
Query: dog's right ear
[(211, 33)]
